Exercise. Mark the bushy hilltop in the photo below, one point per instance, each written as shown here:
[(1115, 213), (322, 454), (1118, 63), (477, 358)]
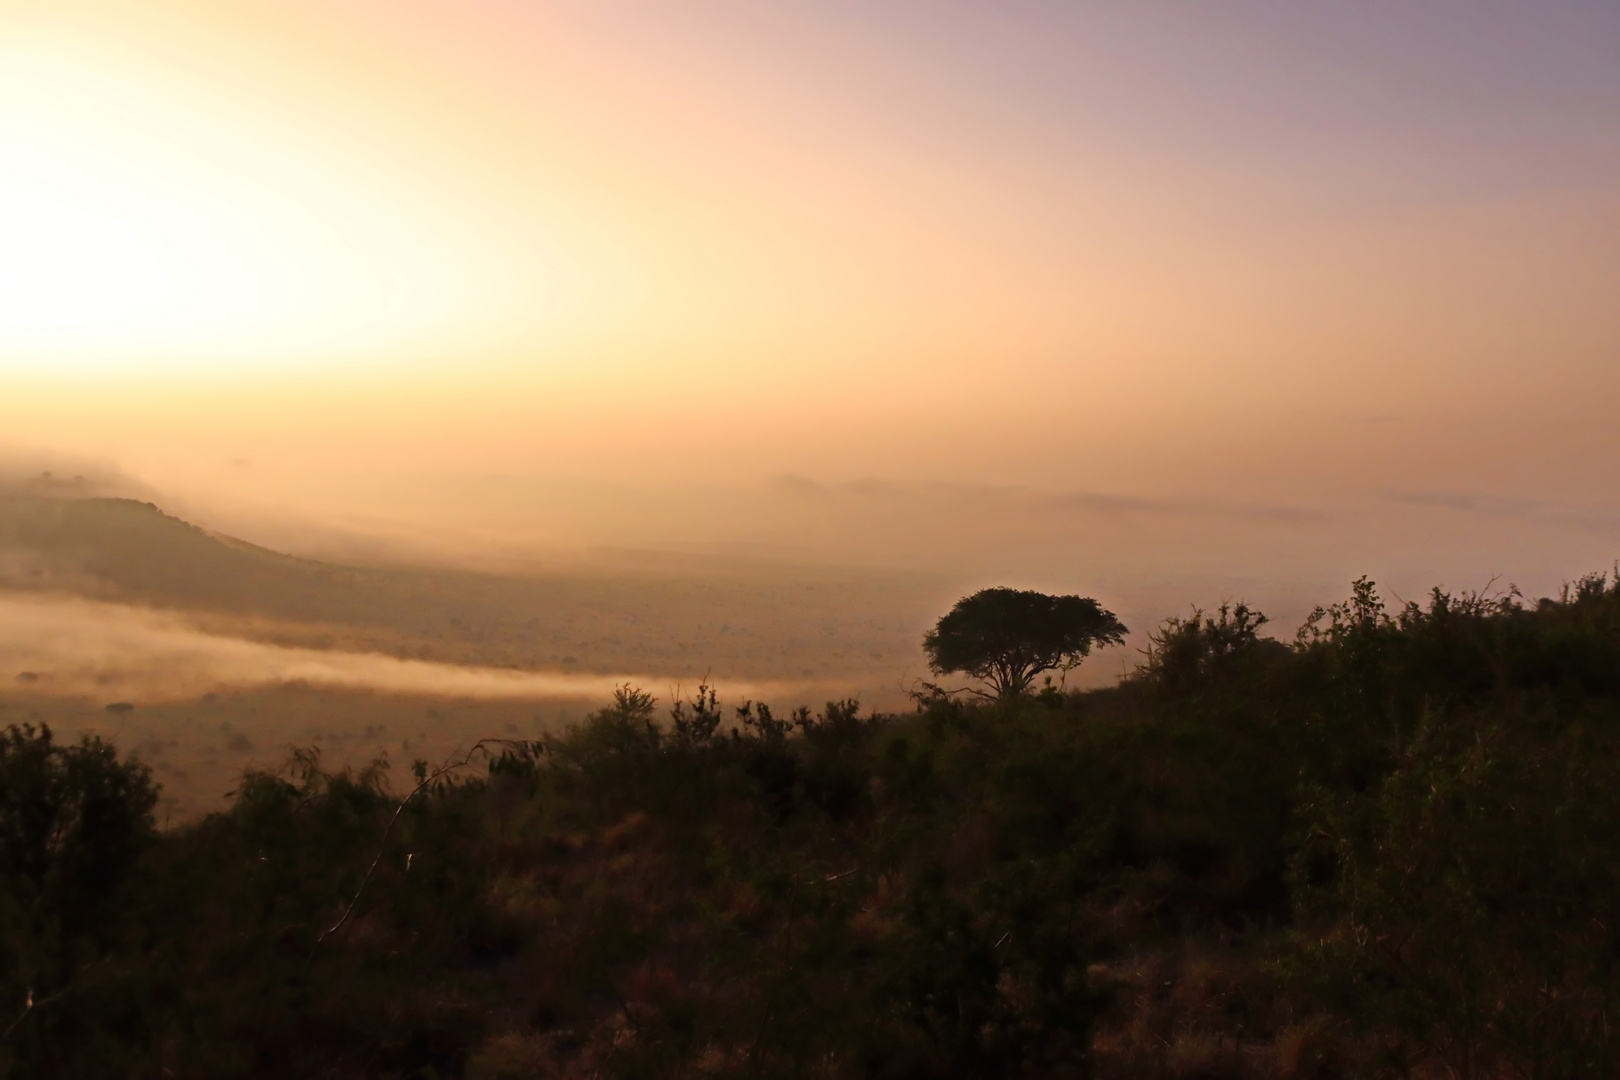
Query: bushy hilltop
[(1387, 848)]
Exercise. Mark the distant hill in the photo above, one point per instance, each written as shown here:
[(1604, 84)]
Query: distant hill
[(128, 550), (734, 619)]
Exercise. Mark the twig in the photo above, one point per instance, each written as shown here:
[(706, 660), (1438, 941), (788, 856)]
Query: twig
[(382, 845), (624, 1006), (931, 691), (29, 1006)]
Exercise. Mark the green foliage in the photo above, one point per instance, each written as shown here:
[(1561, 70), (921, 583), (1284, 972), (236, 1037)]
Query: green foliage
[(74, 820), (1471, 904), (1006, 637), (1468, 907)]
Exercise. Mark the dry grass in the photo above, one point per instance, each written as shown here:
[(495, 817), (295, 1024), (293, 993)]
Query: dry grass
[(1204, 1011)]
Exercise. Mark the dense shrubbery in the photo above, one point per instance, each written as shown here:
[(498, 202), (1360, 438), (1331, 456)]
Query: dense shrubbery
[(1389, 847)]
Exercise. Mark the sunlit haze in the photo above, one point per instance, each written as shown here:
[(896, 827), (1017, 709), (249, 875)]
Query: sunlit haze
[(1163, 302)]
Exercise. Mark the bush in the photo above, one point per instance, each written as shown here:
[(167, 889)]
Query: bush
[(74, 821)]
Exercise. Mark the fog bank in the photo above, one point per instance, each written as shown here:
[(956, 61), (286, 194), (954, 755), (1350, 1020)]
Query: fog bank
[(71, 647)]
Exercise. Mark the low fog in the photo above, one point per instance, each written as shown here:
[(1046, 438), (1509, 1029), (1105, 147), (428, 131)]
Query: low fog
[(61, 646)]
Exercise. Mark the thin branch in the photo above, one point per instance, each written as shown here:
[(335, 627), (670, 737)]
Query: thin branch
[(30, 1005), (934, 689), (382, 845)]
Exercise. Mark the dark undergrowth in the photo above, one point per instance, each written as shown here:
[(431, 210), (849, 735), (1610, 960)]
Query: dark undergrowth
[(1388, 848)]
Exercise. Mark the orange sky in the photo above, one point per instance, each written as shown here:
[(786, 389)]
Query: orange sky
[(344, 262)]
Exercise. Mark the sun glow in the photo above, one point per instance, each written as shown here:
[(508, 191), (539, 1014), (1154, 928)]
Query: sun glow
[(143, 228)]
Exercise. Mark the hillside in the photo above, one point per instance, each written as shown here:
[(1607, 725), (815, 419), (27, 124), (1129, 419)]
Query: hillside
[(1387, 850), (662, 614)]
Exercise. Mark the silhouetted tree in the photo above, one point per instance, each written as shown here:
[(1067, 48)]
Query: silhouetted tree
[(1006, 637)]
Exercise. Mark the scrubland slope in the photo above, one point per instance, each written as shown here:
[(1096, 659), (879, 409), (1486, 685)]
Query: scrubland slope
[(1386, 849)]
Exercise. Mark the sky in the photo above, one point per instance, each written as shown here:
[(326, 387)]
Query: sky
[(1170, 299)]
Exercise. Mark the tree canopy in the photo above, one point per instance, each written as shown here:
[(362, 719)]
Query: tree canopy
[(1006, 637)]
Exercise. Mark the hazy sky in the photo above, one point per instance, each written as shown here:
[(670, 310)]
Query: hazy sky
[(1302, 288)]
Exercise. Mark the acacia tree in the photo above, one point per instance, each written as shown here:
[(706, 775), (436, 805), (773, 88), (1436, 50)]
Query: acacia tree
[(1006, 637)]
